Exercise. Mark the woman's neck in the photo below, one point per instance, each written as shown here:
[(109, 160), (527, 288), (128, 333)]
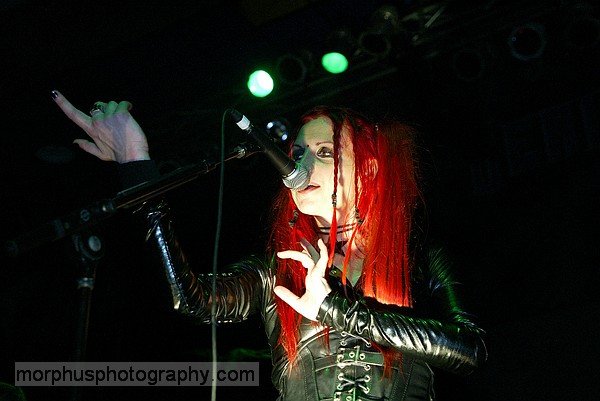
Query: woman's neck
[(343, 232), (340, 228)]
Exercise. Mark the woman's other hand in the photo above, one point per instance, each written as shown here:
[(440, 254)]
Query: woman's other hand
[(317, 287), (113, 134)]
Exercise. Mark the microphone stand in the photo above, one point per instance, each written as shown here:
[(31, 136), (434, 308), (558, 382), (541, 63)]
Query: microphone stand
[(88, 245), (90, 249)]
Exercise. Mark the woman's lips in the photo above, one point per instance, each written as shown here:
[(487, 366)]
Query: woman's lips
[(309, 188)]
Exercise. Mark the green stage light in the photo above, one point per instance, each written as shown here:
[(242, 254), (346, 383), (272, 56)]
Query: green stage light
[(260, 83), (334, 62)]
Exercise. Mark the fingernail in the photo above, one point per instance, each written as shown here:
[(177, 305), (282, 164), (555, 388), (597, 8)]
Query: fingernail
[(54, 94)]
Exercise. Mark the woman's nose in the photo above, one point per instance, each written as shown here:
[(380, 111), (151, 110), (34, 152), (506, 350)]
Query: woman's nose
[(307, 160)]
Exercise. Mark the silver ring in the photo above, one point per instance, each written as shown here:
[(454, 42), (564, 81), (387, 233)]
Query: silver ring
[(98, 108)]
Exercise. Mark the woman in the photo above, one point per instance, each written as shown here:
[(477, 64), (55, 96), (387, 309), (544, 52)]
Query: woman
[(355, 305)]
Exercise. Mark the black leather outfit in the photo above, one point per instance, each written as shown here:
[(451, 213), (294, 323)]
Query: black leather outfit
[(436, 332)]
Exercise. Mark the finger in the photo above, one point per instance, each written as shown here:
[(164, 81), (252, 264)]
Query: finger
[(310, 249), (91, 148), (75, 115), (98, 110), (110, 108), (321, 265), (297, 256), (124, 106), (287, 296)]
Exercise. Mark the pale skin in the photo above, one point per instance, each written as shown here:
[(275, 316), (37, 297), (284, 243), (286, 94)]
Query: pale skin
[(313, 148), (114, 135)]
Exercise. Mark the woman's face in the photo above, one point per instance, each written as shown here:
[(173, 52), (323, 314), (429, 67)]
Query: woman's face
[(313, 148)]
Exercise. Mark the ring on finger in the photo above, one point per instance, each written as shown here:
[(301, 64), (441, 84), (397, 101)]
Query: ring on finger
[(98, 108)]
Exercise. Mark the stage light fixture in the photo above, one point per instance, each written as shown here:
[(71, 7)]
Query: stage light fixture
[(470, 64), (334, 62), (293, 68), (339, 47), (260, 83), (527, 42), (279, 129), (376, 40)]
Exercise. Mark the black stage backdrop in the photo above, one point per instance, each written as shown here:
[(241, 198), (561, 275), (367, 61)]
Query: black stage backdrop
[(511, 169)]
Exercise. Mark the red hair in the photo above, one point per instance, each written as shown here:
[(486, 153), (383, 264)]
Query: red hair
[(386, 197)]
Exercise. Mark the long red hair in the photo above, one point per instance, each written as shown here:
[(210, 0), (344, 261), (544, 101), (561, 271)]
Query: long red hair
[(386, 196)]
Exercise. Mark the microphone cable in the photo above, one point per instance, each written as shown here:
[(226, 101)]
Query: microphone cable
[(213, 309)]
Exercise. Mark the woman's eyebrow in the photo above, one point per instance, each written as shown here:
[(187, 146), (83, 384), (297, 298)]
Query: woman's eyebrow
[(317, 143)]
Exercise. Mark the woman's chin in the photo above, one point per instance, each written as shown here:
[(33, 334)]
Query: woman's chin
[(313, 210)]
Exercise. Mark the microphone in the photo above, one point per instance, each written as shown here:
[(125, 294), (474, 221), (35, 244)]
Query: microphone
[(295, 175)]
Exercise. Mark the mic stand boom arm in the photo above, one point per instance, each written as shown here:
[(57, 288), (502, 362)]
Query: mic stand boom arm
[(92, 214), (143, 192)]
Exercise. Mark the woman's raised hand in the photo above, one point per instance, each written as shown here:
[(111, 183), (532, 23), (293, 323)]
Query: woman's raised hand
[(113, 133), (317, 287)]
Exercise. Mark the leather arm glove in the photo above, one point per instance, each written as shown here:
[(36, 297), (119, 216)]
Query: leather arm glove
[(451, 341)]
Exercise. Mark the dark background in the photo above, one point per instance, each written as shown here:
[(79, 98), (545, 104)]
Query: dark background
[(512, 172)]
